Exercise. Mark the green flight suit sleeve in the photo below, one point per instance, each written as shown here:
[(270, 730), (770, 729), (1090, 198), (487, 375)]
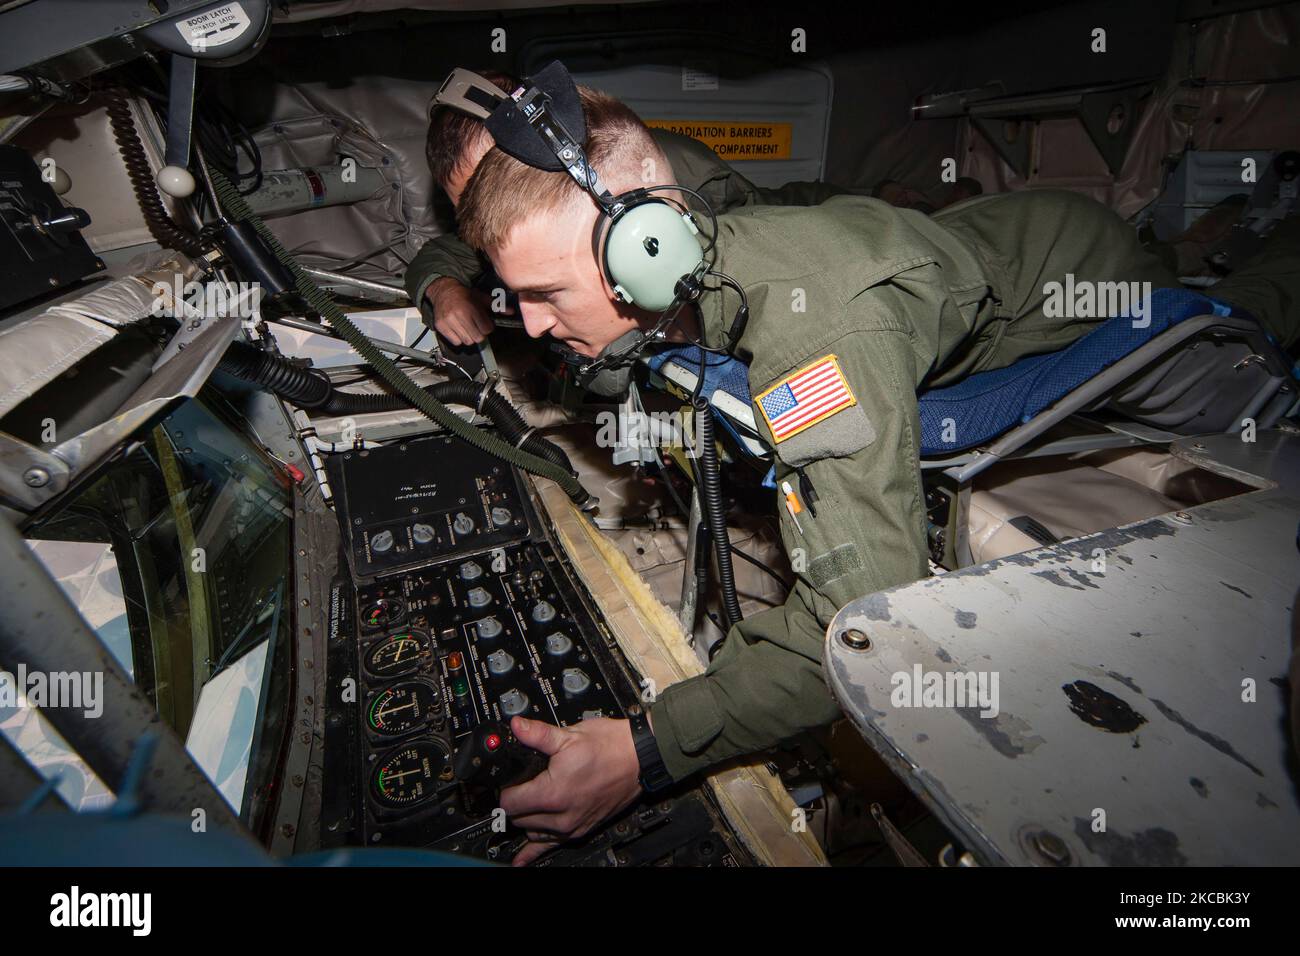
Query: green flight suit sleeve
[(699, 167), (805, 193), (766, 683), (441, 256), (1268, 284)]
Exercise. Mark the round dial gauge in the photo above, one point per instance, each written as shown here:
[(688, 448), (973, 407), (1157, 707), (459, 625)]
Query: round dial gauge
[(401, 708), (379, 614), (396, 654), (408, 775)]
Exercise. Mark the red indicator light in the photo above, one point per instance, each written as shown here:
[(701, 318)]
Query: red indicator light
[(454, 662)]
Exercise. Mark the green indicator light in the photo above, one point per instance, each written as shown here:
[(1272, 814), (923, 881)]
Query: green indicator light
[(459, 687)]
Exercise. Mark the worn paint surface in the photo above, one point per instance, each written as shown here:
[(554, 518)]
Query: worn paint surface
[(1120, 690)]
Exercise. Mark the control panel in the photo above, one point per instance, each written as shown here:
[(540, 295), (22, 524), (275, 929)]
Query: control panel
[(480, 621), (41, 247), (430, 499)]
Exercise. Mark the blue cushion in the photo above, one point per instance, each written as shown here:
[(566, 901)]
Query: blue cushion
[(985, 405), (720, 371)]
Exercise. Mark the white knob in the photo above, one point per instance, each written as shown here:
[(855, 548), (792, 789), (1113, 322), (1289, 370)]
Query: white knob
[(176, 181), (62, 181)]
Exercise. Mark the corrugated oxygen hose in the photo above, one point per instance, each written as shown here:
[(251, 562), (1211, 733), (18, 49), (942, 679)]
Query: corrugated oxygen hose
[(234, 207), (311, 388)]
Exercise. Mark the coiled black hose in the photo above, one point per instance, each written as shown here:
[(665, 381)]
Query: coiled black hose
[(161, 226), (710, 486), (310, 388)]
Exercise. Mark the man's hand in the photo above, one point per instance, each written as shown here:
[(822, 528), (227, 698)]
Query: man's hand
[(593, 773), (460, 315)]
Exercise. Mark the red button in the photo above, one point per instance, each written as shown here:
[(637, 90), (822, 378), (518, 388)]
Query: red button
[(492, 742)]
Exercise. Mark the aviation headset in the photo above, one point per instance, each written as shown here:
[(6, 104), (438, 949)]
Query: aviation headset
[(647, 246)]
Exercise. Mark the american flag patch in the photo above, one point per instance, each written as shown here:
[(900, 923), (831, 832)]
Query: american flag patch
[(805, 398)]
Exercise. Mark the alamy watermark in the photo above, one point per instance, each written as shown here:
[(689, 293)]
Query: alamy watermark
[(1085, 299), (206, 300), (957, 689), (642, 430), (76, 690), (75, 908)]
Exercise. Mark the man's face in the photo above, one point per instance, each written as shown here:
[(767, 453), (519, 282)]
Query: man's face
[(548, 261)]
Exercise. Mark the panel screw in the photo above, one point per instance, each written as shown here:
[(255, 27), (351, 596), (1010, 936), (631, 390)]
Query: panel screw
[(36, 477), (855, 640), (1051, 847)]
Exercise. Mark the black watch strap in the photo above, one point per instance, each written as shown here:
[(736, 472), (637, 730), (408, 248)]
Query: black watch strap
[(654, 775)]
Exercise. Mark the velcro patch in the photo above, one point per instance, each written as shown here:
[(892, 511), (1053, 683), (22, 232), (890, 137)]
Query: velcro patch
[(806, 397)]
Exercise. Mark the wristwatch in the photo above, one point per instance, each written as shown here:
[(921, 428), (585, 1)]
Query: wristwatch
[(654, 775)]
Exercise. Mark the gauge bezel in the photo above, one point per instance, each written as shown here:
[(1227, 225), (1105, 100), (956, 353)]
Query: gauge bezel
[(430, 719), (396, 619), (438, 782), (417, 663)]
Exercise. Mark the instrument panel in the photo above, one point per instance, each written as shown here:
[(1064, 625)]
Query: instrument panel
[(434, 660)]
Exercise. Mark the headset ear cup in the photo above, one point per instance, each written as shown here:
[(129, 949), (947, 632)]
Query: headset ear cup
[(646, 251)]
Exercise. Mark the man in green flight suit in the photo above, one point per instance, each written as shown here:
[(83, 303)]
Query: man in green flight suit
[(854, 303), (445, 271)]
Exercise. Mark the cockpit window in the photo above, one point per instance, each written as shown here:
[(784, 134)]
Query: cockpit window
[(197, 523)]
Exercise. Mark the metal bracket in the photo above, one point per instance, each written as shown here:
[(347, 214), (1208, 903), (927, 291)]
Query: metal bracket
[(1109, 115), (907, 854)]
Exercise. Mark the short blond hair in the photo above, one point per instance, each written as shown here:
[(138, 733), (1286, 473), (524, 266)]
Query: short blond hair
[(504, 192)]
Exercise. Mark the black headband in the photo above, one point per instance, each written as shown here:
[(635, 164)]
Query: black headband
[(510, 127)]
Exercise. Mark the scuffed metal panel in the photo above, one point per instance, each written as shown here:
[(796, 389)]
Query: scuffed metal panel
[(1119, 660)]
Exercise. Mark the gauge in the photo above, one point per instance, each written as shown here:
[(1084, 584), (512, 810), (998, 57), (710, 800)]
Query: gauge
[(408, 775), (381, 613), (402, 708), (396, 654)]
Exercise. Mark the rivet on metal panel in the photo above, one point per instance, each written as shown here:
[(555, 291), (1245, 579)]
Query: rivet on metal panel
[(855, 640)]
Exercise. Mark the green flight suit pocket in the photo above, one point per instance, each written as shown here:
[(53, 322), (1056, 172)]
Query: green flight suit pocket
[(868, 531), (694, 714), (845, 433), (812, 413)]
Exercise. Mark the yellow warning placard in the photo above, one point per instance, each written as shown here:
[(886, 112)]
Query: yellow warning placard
[(734, 140)]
